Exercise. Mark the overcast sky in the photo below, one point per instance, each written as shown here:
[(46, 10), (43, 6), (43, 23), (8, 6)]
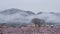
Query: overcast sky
[(32, 5)]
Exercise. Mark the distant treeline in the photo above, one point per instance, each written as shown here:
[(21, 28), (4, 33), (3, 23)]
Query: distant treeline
[(13, 24)]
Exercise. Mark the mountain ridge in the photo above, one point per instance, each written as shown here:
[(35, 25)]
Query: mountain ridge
[(18, 15), (13, 10)]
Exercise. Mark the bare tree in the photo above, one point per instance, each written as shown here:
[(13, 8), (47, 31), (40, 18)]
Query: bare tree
[(38, 22)]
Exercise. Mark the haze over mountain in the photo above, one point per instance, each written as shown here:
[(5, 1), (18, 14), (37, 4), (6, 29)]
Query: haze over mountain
[(14, 15), (50, 17), (13, 11), (20, 16)]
